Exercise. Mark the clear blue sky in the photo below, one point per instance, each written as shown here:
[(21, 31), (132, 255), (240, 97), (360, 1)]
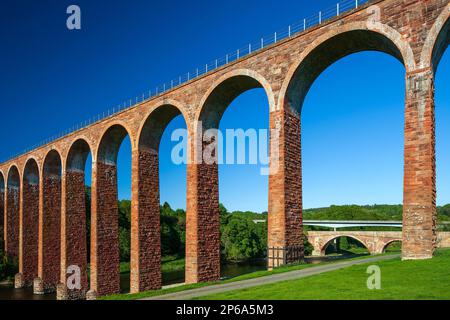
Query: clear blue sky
[(352, 121)]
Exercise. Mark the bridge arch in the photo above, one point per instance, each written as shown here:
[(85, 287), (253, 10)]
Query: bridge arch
[(74, 217), (386, 245), (332, 46), (12, 212), (330, 240), (105, 252), (146, 236), (227, 88), (437, 41), (203, 215), (29, 253)]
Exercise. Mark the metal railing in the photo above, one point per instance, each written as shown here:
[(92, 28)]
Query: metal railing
[(279, 256), (292, 30)]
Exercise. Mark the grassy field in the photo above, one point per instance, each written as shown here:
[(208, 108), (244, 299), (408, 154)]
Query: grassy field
[(239, 278), (400, 280)]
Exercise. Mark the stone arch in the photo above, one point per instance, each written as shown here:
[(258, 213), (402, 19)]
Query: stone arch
[(77, 154), (227, 88), (203, 258), (328, 242), (110, 142), (74, 235), (437, 41), (29, 257), (386, 244), (12, 212), (146, 239), (329, 48), (105, 258), (50, 224)]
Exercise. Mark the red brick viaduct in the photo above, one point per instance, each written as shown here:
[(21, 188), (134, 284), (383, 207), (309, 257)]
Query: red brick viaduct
[(42, 191)]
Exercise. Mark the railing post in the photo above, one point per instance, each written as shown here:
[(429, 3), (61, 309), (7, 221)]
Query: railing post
[(356, 4), (289, 31), (320, 17), (337, 7)]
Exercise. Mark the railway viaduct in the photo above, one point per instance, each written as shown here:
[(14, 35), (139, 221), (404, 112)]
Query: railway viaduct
[(42, 191)]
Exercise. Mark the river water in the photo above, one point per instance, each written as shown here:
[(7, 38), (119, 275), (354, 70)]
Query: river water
[(7, 291)]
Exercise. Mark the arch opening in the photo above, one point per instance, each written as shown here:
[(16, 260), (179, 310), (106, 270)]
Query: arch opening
[(442, 109), (162, 201), (327, 53), (394, 246), (50, 269), (345, 246), (441, 45), (30, 223), (111, 250), (12, 214), (77, 216), (236, 109)]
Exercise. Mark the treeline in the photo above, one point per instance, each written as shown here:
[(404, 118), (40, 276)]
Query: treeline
[(241, 238)]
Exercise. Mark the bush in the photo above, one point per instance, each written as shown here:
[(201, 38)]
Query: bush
[(8, 266)]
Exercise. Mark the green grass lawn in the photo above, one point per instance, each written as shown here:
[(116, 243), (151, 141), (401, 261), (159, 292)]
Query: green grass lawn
[(252, 275), (405, 280)]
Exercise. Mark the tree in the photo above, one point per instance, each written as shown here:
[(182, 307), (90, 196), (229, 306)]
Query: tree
[(241, 241)]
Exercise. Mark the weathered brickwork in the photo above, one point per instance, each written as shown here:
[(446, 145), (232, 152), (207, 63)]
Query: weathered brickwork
[(12, 222), (28, 266), (75, 231), (419, 213), (105, 262), (147, 247), (50, 269), (416, 32), (285, 184), (202, 224)]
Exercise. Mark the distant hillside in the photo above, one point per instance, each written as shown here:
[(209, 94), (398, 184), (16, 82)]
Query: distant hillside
[(352, 212)]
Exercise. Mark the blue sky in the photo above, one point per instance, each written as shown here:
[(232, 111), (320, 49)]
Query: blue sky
[(352, 119)]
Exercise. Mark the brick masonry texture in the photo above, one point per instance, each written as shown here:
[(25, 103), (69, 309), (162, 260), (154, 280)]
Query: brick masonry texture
[(147, 249), (105, 262), (30, 234), (51, 233), (416, 32), (12, 223), (75, 230)]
